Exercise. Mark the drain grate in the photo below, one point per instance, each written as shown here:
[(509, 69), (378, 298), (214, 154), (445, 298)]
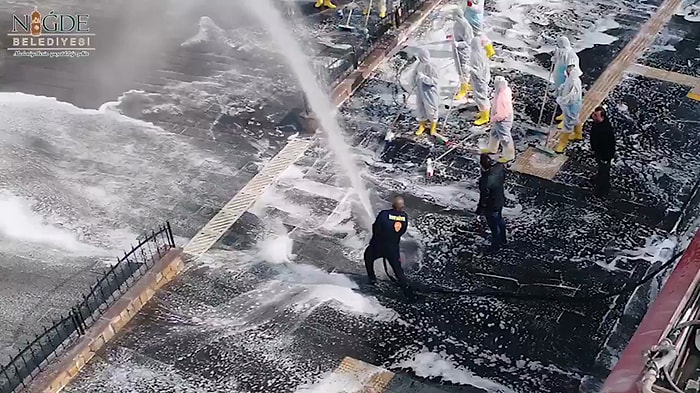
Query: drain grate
[(234, 209)]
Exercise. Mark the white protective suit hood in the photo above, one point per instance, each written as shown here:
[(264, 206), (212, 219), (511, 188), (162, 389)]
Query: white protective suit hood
[(500, 83), (563, 43), (571, 92), (565, 54)]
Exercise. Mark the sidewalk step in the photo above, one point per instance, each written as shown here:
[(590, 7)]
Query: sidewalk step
[(356, 376)]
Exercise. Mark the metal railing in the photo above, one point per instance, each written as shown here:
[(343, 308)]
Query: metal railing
[(114, 282), (347, 63)]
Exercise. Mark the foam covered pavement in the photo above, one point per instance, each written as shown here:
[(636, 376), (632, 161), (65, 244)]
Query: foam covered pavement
[(246, 320)]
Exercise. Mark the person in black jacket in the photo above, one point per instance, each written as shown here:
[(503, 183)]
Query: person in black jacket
[(387, 230), (603, 147), (492, 199)]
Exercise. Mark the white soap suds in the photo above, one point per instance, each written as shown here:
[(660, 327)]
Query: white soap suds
[(426, 364)]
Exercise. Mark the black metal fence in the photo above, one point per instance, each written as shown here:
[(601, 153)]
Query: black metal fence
[(35, 356)]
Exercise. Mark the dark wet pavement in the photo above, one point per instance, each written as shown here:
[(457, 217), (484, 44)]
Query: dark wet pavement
[(215, 329)]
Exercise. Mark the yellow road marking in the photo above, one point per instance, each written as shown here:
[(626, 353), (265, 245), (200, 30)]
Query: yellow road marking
[(628, 56)]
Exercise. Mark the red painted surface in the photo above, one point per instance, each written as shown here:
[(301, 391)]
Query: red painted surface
[(660, 318)]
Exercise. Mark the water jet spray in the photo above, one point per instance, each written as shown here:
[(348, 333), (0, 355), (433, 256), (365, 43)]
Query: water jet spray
[(271, 19)]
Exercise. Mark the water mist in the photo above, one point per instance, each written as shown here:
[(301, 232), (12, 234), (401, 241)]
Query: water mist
[(271, 19)]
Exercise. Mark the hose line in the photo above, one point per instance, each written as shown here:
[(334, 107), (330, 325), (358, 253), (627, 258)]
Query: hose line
[(561, 298)]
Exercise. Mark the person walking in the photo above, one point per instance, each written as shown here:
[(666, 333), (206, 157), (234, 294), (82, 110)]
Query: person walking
[(603, 148), (492, 199)]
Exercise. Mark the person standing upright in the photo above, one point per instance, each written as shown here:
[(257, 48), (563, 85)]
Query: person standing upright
[(603, 147), (492, 199)]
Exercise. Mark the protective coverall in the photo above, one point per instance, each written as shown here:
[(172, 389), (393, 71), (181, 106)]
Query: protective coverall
[(387, 230), (380, 3), (570, 99), (502, 121), (480, 75), (325, 3), (563, 56), (474, 14), (462, 35), (425, 82)]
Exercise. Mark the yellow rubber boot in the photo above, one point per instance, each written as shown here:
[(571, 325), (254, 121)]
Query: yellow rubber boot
[(319, 3), (433, 128), (490, 52), (382, 12), (464, 88), (560, 125), (421, 128), (484, 117), (577, 135), (365, 11), (563, 142), (559, 118), (508, 151), (328, 4), (492, 148)]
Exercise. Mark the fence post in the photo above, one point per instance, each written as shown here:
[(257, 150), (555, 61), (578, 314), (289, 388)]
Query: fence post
[(31, 349), (169, 232), (4, 371), (76, 321)]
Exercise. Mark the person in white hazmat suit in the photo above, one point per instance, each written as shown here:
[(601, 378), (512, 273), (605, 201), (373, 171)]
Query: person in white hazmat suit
[(563, 55), (474, 14), (570, 99), (462, 35), (425, 82), (381, 4), (501, 121), (480, 76)]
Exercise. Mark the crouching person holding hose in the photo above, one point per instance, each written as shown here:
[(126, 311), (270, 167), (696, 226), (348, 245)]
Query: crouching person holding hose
[(387, 230)]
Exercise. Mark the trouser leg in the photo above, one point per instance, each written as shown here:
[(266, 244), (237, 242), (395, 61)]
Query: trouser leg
[(495, 226), (603, 178), (398, 272), (502, 229), (370, 257)]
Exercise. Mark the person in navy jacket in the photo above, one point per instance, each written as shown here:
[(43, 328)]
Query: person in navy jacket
[(387, 230)]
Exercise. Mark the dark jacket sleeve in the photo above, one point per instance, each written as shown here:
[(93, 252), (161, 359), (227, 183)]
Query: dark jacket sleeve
[(484, 191), (610, 144), (603, 141), (376, 228)]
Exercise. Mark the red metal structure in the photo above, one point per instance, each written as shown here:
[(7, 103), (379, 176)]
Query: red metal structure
[(658, 321)]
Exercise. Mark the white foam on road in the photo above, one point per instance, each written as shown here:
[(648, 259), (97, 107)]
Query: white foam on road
[(19, 223), (96, 173), (426, 364), (690, 10)]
